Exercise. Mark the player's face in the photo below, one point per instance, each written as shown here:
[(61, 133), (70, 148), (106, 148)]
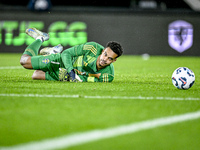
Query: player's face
[(107, 57)]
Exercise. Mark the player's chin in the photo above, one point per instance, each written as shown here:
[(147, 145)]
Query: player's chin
[(103, 64)]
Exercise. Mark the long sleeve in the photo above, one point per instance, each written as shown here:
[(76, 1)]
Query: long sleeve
[(83, 58), (68, 54), (103, 78)]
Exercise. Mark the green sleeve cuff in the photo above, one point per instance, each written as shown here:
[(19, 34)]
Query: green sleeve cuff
[(90, 79)]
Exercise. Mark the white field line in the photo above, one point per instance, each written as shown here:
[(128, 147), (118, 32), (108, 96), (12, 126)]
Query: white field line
[(95, 135), (39, 95), (11, 67), (101, 97)]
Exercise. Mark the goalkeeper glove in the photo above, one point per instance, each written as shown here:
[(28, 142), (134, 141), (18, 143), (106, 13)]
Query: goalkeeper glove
[(74, 77), (63, 75)]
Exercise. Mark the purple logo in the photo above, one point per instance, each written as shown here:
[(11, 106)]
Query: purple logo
[(180, 35)]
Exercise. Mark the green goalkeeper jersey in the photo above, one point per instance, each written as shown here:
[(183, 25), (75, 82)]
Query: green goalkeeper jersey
[(82, 58)]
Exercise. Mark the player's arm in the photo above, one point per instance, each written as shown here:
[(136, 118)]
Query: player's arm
[(75, 51), (105, 77), (69, 53), (67, 56)]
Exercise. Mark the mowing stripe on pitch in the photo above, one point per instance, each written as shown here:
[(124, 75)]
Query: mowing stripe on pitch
[(95, 135), (12, 67), (101, 97)]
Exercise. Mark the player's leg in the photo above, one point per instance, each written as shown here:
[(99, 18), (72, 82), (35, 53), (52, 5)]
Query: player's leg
[(47, 67), (38, 75), (41, 75), (32, 50), (51, 50)]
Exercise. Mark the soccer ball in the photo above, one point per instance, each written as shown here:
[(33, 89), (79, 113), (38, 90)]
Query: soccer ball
[(183, 78)]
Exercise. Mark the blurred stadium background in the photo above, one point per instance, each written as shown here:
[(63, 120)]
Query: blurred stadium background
[(32, 110), (155, 27)]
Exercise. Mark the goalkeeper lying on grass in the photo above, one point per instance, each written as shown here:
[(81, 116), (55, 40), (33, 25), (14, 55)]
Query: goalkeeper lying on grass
[(89, 62)]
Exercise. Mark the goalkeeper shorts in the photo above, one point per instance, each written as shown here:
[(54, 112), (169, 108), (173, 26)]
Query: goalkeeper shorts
[(50, 64)]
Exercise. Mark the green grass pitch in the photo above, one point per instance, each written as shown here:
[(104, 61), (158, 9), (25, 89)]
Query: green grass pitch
[(27, 119)]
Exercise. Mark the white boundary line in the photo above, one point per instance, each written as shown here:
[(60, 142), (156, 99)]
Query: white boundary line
[(11, 67), (94, 135), (101, 97), (39, 95)]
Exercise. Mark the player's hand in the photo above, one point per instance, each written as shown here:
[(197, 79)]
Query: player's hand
[(63, 74), (74, 77)]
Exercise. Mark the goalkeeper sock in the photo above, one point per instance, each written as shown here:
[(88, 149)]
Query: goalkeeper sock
[(32, 50)]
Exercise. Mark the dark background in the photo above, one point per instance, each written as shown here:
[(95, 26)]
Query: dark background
[(178, 4), (140, 30)]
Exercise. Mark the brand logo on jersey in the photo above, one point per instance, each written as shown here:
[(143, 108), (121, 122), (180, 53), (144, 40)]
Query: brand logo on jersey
[(46, 60), (180, 35)]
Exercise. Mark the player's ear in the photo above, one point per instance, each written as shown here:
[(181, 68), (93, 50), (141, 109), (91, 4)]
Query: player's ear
[(115, 60)]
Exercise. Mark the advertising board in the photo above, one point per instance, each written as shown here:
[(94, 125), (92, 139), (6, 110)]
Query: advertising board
[(139, 33)]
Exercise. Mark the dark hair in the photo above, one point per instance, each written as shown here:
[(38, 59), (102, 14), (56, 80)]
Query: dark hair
[(115, 47)]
